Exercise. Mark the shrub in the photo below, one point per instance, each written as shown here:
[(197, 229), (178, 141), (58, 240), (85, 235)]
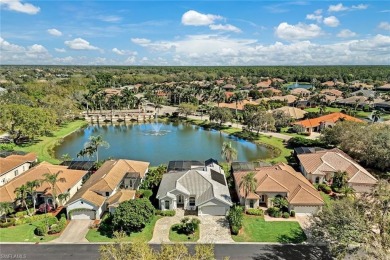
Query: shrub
[(292, 213), (235, 217), (325, 188), (165, 213), (54, 229), (145, 193), (274, 212), (187, 226), (41, 229), (21, 214), (286, 215), (235, 230), (10, 222), (27, 219), (256, 212)]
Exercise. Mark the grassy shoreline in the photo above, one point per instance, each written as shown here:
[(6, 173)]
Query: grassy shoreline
[(45, 144)]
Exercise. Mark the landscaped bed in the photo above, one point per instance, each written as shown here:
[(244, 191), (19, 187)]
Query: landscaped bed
[(256, 229), (24, 233), (175, 236), (94, 235)]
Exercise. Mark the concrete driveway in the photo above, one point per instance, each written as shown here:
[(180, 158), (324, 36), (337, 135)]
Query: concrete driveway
[(214, 229), (74, 232)]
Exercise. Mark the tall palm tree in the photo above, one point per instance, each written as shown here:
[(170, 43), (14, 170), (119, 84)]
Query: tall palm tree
[(218, 96), (52, 179), (348, 191), (32, 189), (21, 195), (237, 97), (92, 146), (228, 152), (6, 208), (248, 183), (139, 103), (322, 109), (127, 97), (63, 197), (376, 115)]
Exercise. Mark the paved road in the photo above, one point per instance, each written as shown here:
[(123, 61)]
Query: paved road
[(236, 252)]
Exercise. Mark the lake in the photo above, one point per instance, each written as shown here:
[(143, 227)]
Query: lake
[(299, 85), (172, 141)]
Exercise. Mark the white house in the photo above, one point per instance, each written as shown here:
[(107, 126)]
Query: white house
[(96, 195), (203, 189), (14, 165)]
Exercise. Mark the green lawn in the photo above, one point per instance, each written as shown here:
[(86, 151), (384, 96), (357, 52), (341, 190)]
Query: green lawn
[(328, 109), (327, 199), (176, 237), (23, 233), (256, 229), (46, 143), (145, 235)]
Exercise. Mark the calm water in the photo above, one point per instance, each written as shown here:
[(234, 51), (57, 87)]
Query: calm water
[(299, 85), (174, 142)]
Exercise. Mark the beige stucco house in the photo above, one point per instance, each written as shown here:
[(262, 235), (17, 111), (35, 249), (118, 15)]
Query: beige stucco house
[(279, 180), (14, 165)]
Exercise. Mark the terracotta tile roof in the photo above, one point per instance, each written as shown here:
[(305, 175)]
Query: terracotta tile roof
[(240, 106), (229, 86), (298, 91), (293, 112), (289, 98), (107, 179), (120, 197), (283, 178), (322, 162), (332, 92), (72, 177), (385, 86), (14, 161), (264, 84), (333, 117)]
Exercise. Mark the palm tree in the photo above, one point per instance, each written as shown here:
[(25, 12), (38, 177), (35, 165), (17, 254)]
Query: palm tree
[(237, 97), (139, 103), (21, 195), (32, 189), (376, 115), (218, 96), (6, 208), (52, 179), (280, 202), (348, 191), (228, 152), (322, 109), (63, 197), (92, 146), (66, 157), (248, 183), (127, 97)]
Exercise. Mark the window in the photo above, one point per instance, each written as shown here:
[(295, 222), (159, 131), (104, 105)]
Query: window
[(167, 204), (317, 179), (107, 194), (192, 201), (262, 198), (131, 183), (16, 172), (251, 204)]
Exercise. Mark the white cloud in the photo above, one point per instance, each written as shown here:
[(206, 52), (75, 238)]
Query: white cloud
[(197, 19), (337, 8), (346, 33), (14, 54), (384, 26), (123, 52), (59, 50), (130, 60), (140, 41), (360, 7), (316, 16), (331, 21), (9, 47), (54, 32), (18, 6), (110, 18), (224, 27), (80, 44), (340, 7), (299, 31)]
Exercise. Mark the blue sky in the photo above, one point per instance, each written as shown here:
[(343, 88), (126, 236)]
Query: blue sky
[(195, 32)]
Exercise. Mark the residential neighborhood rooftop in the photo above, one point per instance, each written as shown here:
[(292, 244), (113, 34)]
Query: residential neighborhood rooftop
[(333, 117)]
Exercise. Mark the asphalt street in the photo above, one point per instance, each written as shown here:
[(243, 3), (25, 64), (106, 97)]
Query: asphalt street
[(234, 251)]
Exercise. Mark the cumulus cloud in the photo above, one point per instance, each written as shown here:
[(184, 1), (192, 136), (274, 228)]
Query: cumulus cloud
[(123, 52), (316, 16), (346, 33), (9, 47), (14, 54), (331, 21), (198, 19), (340, 7), (80, 44), (140, 41), (54, 32), (384, 26), (59, 49), (18, 6), (224, 27), (299, 31)]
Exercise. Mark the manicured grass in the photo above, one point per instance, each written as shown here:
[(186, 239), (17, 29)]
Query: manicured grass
[(279, 144), (176, 237), (328, 109), (327, 199), (46, 143), (145, 235), (256, 229), (23, 233)]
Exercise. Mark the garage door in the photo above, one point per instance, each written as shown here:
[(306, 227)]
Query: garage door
[(213, 210), (305, 209), (85, 214)]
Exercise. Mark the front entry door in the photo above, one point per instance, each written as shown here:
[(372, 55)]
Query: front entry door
[(180, 199), (166, 204)]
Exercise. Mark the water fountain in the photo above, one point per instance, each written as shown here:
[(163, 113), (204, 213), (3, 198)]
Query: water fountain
[(296, 84), (156, 128)]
